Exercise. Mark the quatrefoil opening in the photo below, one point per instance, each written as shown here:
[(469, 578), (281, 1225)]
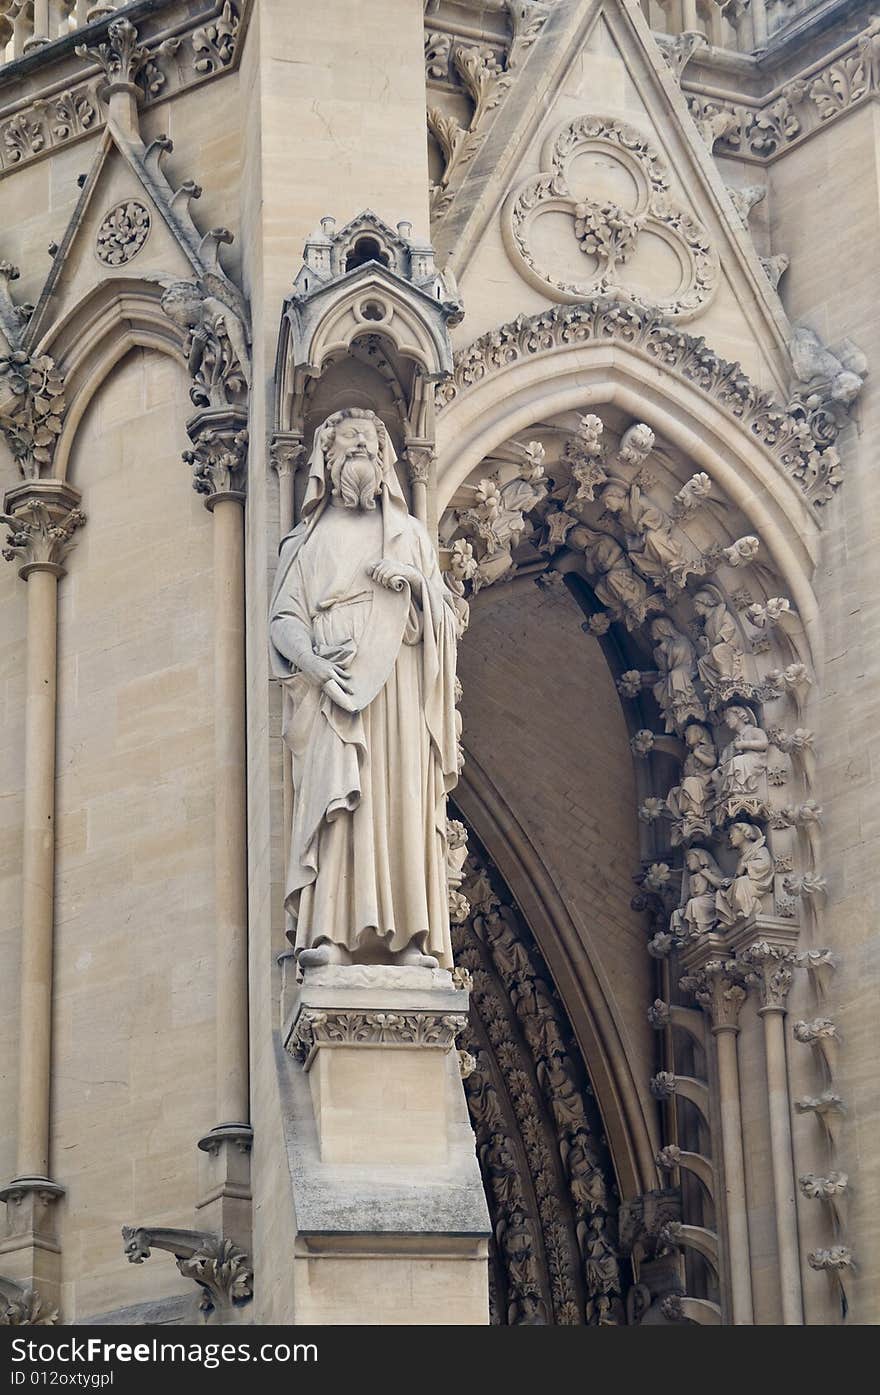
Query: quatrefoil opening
[(600, 222)]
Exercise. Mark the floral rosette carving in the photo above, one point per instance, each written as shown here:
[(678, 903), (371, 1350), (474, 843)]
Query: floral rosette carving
[(123, 233)]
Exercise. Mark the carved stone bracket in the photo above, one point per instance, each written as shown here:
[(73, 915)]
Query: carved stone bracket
[(42, 518), (222, 1270), (24, 1307), (717, 987)]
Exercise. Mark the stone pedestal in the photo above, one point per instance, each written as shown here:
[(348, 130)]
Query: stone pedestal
[(224, 1205), (30, 1253), (391, 1220)]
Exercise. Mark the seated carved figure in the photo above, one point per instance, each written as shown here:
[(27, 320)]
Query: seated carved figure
[(721, 662), (676, 669), (741, 776), (689, 802), (743, 896), (702, 881)]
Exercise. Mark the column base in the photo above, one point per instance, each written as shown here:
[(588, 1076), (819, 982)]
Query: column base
[(392, 1223)]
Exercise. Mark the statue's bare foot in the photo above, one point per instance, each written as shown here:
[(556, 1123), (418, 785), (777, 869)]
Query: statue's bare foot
[(413, 956), (324, 953)]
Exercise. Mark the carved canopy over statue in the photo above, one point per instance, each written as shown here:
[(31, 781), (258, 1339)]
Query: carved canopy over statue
[(363, 636)]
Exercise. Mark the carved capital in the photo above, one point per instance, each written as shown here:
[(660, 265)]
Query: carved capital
[(770, 970), (343, 1027), (717, 987), (286, 453), (32, 410), (42, 519), (221, 1269), (419, 458), (219, 455)]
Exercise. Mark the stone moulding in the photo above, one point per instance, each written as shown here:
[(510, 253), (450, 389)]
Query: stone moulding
[(192, 51), (607, 234), (401, 1030), (762, 131), (800, 435)]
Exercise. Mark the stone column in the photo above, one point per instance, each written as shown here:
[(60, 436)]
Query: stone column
[(721, 995), (420, 459), (390, 1210), (42, 516), (772, 974), (219, 460), (286, 454)]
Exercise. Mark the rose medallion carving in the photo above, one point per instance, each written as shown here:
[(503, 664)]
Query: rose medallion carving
[(123, 233), (600, 221)]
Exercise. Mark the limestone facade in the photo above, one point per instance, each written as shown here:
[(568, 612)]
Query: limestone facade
[(605, 272)]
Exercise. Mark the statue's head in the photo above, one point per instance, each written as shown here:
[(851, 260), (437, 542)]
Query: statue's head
[(182, 303), (741, 833), (736, 716), (614, 497), (352, 441)]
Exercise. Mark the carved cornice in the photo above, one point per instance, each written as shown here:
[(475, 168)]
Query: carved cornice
[(204, 46), (801, 435), (223, 1271), (762, 131), (42, 519), (333, 1027)]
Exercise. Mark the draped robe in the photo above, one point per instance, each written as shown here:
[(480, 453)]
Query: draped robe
[(368, 844)]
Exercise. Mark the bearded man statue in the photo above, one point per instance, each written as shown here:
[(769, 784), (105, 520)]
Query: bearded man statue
[(363, 636)]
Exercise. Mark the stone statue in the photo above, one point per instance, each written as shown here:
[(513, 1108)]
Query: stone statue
[(741, 776), (721, 664), (649, 542), (617, 587), (363, 637), (676, 667), (741, 898), (689, 801), (702, 881)]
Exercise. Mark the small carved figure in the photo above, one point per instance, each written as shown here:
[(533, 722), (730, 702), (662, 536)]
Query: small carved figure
[(602, 1268), (585, 1181), (217, 346), (648, 532), (742, 897), (689, 801), (741, 775), (618, 587), (676, 665), (701, 883), (499, 1166), (721, 664)]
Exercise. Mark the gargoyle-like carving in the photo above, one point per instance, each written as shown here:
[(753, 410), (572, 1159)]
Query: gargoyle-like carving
[(828, 1110), (775, 267), (824, 1037), (217, 344), (606, 232), (32, 407), (679, 49), (827, 378), (222, 1270)]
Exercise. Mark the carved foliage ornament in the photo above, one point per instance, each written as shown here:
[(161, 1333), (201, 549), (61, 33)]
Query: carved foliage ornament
[(122, 233), (607, 233), (801, 436), (32, 407)]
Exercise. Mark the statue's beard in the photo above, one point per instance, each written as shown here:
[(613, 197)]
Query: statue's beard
[(356, 480)]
